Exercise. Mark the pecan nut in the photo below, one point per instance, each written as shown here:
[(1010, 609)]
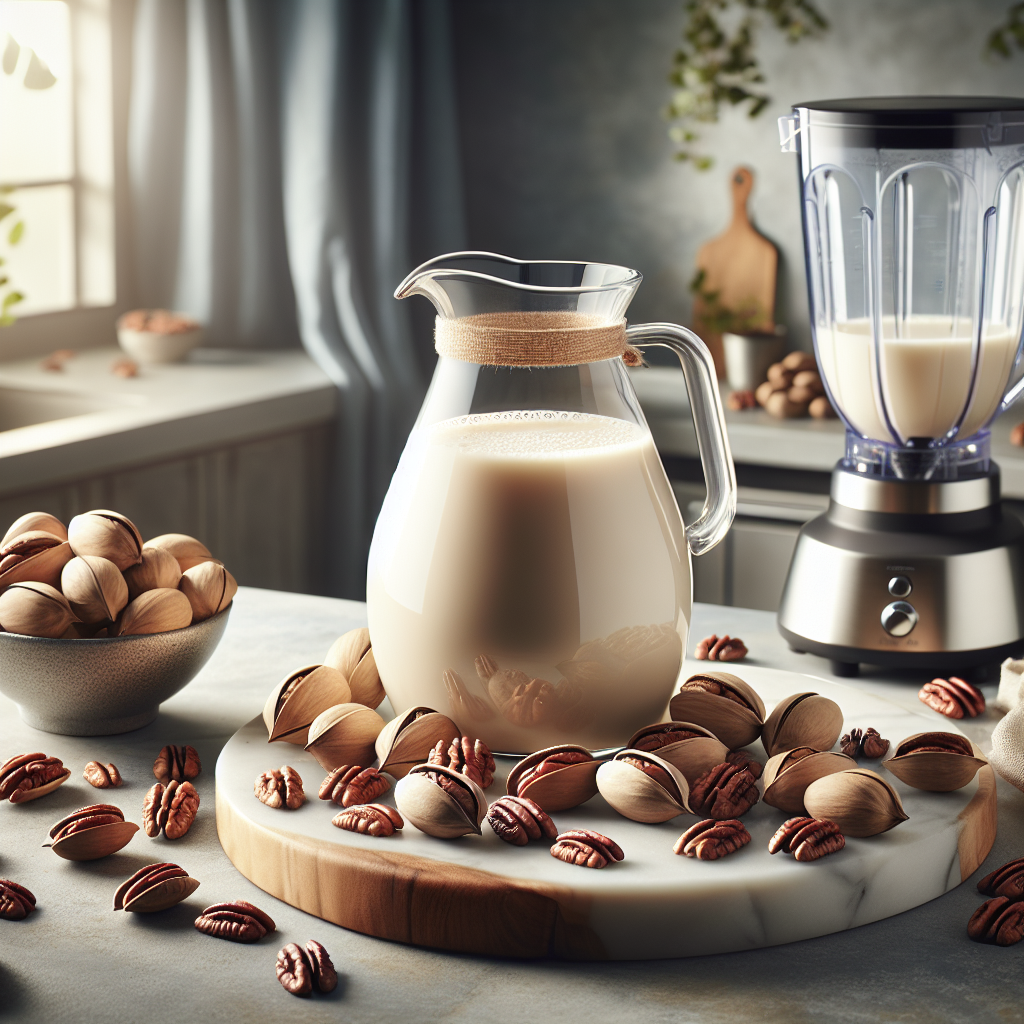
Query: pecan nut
[(86, 818), (998, 921), (742, 759), (1006, 881), (237, 921), (466, 755), (16, 902), (706, 684), (28, 776), (281, 787), (170, 809), (301, 971), (726, 791), (518, 819), (102, 776), (552, 763), (586, 848), (740, 400), (712, 839), (370, 819), (351, 784), (177, 764), (670, 732), (807, 838), (867, 743), (724, 648), (953, 697)]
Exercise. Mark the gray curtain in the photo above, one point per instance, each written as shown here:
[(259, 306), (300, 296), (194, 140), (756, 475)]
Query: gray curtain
[(290, 162)]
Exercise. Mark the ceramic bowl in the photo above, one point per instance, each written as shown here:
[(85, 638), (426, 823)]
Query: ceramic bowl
[(149, 347), (106, 686)]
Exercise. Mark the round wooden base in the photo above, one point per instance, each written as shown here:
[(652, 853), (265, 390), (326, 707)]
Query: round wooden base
[(480, 895)]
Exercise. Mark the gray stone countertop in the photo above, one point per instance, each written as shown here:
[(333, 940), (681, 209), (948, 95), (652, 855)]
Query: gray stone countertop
[(76, 961)]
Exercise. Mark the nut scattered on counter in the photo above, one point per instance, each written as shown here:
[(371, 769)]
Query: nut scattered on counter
[(469, 756), (301, 971), (558, 778), (16, 902), (807, 838), (369, 819), (154, 887), (860, 802), (55, 361), (124, 368), (29, 776), (742, 759), (643, 787), (102, 776), (237, 921), (712, 839), (723, 703), (441, 802), (725, 648), (586, 848), (517, 820), (91, 833), (864, 743), (726, 791), (1017, 435), (170, 809), (953, 697), (938, 762), (280, 787), (1006, 881), (177, 764), (802, 720), (999, 922), (350, 784), (740, 400)]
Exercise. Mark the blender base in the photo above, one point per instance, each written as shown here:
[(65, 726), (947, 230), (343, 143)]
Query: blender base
[(908, 574)]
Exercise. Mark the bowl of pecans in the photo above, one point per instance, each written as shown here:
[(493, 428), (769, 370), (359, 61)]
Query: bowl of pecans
[(158, 335), (97, 627)]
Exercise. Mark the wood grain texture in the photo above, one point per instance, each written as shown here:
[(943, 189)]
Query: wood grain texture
[(741, 265), (977, 822), (410, 899)]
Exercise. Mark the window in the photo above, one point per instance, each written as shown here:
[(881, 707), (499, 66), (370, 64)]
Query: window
[(56, 156)]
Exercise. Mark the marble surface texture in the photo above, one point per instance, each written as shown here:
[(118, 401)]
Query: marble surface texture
[(75, 960)]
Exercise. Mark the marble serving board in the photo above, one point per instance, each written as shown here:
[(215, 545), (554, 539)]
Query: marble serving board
[(478, 894)]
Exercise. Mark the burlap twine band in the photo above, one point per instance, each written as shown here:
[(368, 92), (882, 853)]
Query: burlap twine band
[(533, 339)]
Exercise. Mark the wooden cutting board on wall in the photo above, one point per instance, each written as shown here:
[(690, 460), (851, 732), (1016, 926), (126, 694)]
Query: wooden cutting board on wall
[(740, 269)]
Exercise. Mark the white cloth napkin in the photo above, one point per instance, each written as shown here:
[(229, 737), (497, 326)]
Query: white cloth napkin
[(1007, 755)]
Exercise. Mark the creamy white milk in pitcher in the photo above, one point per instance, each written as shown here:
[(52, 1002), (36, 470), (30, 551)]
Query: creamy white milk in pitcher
[(529, 574)]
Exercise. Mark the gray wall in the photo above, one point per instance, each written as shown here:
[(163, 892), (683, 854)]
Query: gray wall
[(565, 146)]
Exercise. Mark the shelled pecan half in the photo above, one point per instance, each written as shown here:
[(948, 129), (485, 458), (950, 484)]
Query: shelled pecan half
[(350, 784), (469, 756), (711, 839), (1006, 881), (177, 764), (726, 791), (369, 819), (807, 838), (998, 921), (720, 648), (586, 848), (29, 776), (742, 759), (518, 819), (170, 809), (102, 776), (280, 787), (237, 921), (953, 697), (867, 743), (16, 902), (301, 971)]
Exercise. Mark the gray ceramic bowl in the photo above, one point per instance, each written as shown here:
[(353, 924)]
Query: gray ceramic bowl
[(101, 687)]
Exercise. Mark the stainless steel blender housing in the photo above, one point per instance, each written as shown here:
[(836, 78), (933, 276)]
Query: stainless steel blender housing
[(916, 563)]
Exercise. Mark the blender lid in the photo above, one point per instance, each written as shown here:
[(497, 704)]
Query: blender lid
[(918, 122)]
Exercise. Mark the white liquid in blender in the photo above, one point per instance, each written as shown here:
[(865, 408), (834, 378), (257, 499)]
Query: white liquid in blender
[(926, 375), (539, 560)]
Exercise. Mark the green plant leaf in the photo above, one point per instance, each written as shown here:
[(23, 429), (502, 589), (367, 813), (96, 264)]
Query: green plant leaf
[(14, 235), (11, 299)]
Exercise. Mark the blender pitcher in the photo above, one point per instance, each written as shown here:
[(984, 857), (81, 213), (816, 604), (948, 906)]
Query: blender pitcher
[(529, 572)]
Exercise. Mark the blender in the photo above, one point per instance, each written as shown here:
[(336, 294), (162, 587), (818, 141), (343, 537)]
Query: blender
[(913, 223)]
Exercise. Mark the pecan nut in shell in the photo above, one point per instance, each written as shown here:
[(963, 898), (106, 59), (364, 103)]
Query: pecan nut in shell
[(29, 776), (102, 776), (177, 764), (303, 970), (742, 759), (237, 921), (16, 902), (726, 791), (712, 839), (999, 922), (350, 785), (281, 787), (1006, 881), (170, 809), (369, 819), (518, 819), (469, 756), (586, 848), (807, 838), (953, 697)]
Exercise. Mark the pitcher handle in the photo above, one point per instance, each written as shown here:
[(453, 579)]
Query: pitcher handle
[(709, 420)]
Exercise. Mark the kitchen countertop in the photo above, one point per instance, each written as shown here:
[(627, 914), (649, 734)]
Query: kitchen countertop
[(759, 439), (76, 961), (216, 397)]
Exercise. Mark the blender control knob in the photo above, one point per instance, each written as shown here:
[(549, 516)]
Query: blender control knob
[(899, 618), (900, 586)]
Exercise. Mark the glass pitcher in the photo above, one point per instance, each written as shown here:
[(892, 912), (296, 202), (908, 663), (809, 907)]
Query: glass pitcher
[(529, 573)]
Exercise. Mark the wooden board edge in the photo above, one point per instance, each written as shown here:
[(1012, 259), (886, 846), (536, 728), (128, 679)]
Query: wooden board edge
[(410, 899), (978, 822)]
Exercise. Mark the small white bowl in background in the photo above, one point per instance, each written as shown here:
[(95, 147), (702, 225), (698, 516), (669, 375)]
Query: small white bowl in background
[(158, 335)]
